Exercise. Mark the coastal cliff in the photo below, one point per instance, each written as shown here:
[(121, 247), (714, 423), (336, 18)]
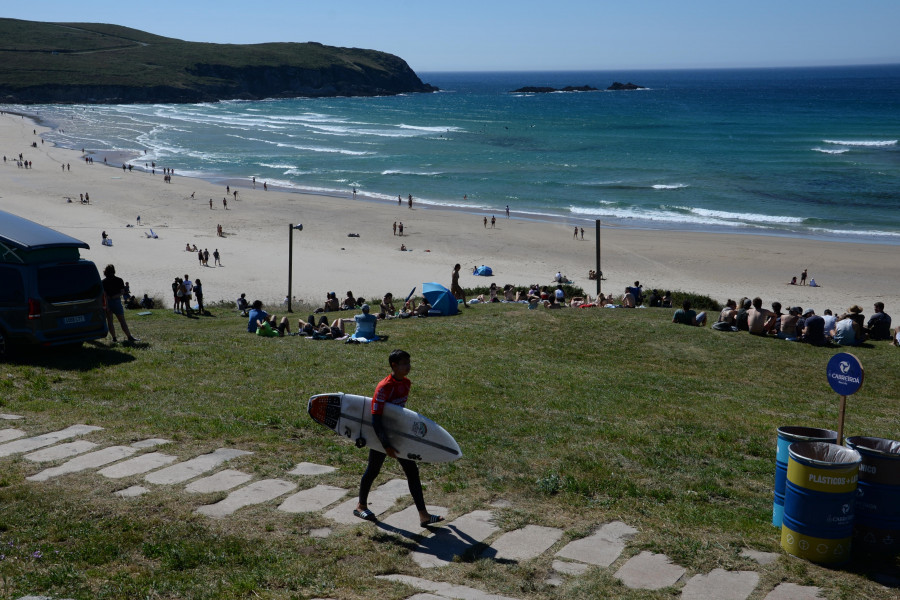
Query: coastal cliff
[(106, 64)]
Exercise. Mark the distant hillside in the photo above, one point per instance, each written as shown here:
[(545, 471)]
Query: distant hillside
[(99, 63)]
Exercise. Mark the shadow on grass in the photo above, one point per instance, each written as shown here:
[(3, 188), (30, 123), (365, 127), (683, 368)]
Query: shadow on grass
[(75, 357)]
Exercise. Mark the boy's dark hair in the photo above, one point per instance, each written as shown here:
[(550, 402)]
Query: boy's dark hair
[(396, 356)]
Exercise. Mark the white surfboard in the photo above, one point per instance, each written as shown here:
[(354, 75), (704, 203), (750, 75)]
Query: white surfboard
[(414, 436)]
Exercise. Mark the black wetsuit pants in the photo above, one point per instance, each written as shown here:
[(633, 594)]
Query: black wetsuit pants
[(410, 468)]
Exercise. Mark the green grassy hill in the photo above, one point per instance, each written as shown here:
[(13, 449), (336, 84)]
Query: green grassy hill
[(93, 62), (576, 417)]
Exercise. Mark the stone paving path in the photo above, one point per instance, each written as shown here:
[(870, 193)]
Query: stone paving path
[(434, 547)]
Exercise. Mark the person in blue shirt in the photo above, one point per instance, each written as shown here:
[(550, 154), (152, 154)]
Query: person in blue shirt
[(258, 316)]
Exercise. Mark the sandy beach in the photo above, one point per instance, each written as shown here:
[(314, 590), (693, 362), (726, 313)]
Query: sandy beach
[(254, 249)]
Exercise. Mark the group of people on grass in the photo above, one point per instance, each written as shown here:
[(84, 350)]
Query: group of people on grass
[(183, 291), (796, 324)]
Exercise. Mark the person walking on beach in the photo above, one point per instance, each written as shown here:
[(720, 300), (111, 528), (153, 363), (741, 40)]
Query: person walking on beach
[(225, 203), (216, 260), (582, 233), (393, 389), (395, 227), (455, 288), (575, 235), (113, 287), (493, 221), (803, 277), (410, 200), (206, 257), (399, 200), (210, 204), (401, 228), (485, 222), (507, 211)]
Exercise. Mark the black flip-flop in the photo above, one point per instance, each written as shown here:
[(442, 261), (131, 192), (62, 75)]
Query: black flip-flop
[(365, 514), (432, 520)]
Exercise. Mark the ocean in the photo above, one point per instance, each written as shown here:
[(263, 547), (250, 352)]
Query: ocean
[(807, 152)]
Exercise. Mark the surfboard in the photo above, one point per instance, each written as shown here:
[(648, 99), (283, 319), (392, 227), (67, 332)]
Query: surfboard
[(414, 436)]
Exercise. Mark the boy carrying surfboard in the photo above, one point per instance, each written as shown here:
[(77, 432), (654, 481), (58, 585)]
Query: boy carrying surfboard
[(393, 389)]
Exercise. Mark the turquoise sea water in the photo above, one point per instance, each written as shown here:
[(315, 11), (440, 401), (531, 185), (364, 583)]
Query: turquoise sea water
[(803, 152)]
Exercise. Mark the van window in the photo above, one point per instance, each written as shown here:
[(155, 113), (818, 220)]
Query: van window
[(12, 289), (69, 282)]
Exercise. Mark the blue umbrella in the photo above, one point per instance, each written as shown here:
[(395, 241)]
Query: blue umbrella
[(440, 298)]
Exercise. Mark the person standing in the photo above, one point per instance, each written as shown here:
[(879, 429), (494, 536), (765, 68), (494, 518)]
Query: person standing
[(198, 292), (410, 200), (401, 228), (216, 260), (393, 389), (803, 277), (395, 227), (113, 287), (493, 221), (507, 211), (455, 288), (206, 257)]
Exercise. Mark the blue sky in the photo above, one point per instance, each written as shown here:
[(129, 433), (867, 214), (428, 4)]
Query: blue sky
[(465, 35)]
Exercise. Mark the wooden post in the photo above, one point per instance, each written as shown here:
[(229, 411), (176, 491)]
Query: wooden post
[(599, 270), (840, 439)]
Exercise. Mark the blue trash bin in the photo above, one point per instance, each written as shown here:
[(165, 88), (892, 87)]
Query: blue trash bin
[(786, 437), (877, 525)]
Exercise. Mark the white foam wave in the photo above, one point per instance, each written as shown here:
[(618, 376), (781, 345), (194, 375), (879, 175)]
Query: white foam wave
[(848, 232), (872, 143), (828, 151), (420, 173), (441, 129), (733, 216), (674, 186), (276, 166)]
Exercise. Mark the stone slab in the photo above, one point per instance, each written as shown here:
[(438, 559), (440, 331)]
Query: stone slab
[(218, 482), (380, 500), (137, 465), (523, 544), (61, 451), (454, 539), (91, 460), (255, 493), (720, 584), (569, 568), (313, 500), (7, 435), (150, 443), (8, 417), (601, 548), (183, 471), (408, 519), (307, 468), (443, 589), (762, 558), (132, 492), (649, 571), (792, 591), (426, 596), (46, 439)]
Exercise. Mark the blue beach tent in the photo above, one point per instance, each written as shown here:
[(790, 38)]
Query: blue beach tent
[(440, 299), (483, 271)]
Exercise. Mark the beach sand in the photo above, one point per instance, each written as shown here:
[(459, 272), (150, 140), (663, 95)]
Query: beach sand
[(520, 251)]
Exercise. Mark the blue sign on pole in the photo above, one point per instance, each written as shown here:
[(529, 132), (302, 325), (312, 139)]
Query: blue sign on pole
[(845, 373)]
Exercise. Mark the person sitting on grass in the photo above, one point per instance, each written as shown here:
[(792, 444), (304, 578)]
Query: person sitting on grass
[(686, 316), (729, 313), (260, 319), (365, 325), (879, 325), (349, 302), (387, 305), (243, 305), (628, 299), (759, 319)]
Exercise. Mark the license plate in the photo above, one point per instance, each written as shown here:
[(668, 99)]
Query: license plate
[(74, 320)]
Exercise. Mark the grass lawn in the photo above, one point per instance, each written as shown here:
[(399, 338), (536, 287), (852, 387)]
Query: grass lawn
[(576, 417)]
